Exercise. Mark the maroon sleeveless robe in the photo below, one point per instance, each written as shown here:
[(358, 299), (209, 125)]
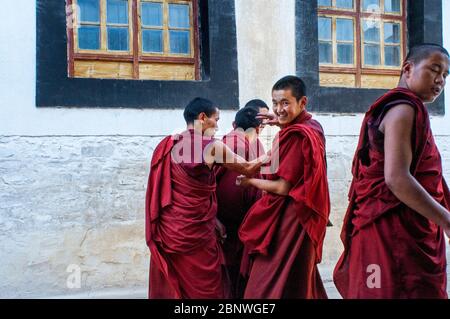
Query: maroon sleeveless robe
[(380, 230), (186, 258)]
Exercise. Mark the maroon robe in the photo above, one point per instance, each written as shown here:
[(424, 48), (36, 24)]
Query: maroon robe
[(186, 258), (284, 234), (380, 230), (234, 202)]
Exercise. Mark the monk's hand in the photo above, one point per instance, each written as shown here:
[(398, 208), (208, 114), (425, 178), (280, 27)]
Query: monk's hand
[(242, 181), (221, 231), (268, 119)]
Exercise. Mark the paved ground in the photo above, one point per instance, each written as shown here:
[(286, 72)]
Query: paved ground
[(326, 273)]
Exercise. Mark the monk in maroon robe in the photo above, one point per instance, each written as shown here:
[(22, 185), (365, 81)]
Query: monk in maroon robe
[(181, 207), (234, 201), (393, 231), (284, 230)]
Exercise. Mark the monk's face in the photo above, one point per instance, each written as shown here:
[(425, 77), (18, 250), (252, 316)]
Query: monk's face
[(209, 123), (286, 106), (427, 78)]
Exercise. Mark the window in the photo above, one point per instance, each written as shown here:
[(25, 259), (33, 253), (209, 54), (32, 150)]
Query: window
[(134, 39), (216, 77), (361, 42)]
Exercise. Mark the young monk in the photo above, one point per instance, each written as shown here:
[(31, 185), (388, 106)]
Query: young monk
[(234, 201), (393, 231), (285, 229), (186, 258)]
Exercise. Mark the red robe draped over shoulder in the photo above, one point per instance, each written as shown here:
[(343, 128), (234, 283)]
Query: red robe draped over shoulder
[(234, 202), (186, 259), (284, 234), (392, 251)]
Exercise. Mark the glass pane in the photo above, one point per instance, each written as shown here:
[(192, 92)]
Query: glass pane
[(179, 15), (344, 30), (324, 28), (118, 39), (391, 32), (324, 3), (179, 42), (151, 13), (117, 11), (152, 41), (344, 4), (89, 38), (392, 6), (345, 53), (371, 54), (89, 10), (325, 52), (392, 55), (371, 31), (371, 5)]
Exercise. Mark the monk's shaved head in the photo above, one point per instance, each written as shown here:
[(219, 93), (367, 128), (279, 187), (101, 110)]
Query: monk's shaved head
[(422, 51)]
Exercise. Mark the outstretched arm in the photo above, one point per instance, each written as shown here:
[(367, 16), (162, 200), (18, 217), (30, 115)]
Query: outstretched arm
[(397, 126), (279, 186), (221, 153)]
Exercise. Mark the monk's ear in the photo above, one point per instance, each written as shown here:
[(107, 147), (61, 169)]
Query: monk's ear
[(234, 124), (202, 117), (304, 102), (406, 68)]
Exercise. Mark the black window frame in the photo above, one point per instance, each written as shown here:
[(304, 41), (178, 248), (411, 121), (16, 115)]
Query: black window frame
[(218, 67), (421, 27)]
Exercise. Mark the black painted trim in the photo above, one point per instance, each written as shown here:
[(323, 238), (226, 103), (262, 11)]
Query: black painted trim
[(219, 67), (424, 25)]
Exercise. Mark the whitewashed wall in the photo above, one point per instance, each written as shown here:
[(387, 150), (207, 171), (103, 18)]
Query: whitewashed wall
[(72, 181)]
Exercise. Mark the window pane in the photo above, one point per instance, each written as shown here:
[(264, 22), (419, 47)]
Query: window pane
[(118, 39), (325, 53), (392, 55), (345, 53), (89, 38), (344, 30), (117, 11), (324, 28), (89, 10), (371, 54), (324, 3), (152, 41), (392, 6), (179, 42), (151, 13), (392, 32), (179, 15), (371, 31), (371, 5), (344, 4)]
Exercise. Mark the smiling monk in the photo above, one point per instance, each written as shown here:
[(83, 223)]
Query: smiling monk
[(284, 230)]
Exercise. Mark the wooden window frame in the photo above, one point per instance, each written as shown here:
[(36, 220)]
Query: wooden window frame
[(334, 42), (358, 14), (135, 54)]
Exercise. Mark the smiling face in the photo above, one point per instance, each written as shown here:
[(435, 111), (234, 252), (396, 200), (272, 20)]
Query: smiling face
[(209, 123), (286, 106), (426, 78)]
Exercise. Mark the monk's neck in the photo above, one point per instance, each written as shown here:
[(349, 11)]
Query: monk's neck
[(194, 128)]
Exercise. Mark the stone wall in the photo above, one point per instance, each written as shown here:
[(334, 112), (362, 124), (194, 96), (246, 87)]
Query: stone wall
[(80, 201)]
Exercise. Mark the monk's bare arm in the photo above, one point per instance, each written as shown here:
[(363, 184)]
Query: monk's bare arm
[(279, 186), (221, 153), (397, 126)]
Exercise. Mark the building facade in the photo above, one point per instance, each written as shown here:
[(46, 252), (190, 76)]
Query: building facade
[(89, 87)]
